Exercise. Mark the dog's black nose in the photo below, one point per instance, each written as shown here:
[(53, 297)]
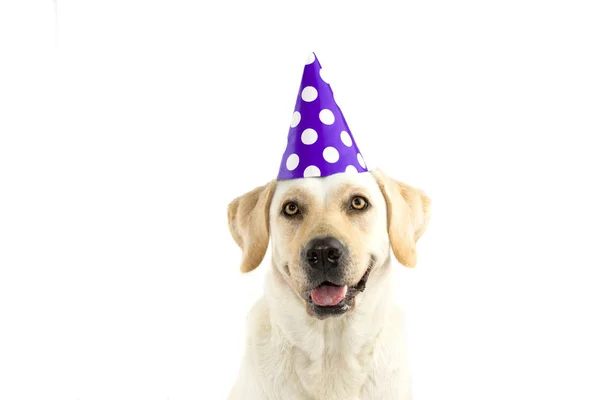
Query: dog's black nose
[(324, 252)]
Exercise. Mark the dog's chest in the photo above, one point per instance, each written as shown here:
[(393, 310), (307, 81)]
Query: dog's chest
[(350, 360), (334, 367)]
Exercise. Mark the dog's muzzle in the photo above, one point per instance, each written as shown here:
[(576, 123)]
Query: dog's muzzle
[(326, 260)]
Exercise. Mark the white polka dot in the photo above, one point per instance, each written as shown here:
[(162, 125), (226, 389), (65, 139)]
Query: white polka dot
[(292, 162), (311, 171), (326, 116), (310, 59), (351, 169), (323, 76), (309, 136), (331, 155), (361, 161), (346, 139), (309, 94), (295, 119)]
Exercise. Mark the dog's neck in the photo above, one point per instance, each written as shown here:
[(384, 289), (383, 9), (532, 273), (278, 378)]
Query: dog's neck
[(358, 327)]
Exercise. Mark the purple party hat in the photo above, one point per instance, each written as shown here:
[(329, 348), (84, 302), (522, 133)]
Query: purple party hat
[(319, 141)]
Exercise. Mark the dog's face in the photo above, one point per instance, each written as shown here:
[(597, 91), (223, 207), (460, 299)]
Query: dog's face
[(329, 233), (326, 235)]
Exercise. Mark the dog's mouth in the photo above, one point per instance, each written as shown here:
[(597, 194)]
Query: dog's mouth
[(329, 299), (328, 294)]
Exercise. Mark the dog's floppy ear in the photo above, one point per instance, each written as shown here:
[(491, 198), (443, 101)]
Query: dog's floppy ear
[(408, 214), (249, 224)]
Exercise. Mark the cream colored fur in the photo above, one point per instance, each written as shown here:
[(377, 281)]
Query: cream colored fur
[(291, 355)]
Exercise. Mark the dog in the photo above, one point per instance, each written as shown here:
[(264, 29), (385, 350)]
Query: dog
[(326, 327)]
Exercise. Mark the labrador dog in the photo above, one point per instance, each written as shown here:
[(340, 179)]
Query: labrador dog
[(327, 328)]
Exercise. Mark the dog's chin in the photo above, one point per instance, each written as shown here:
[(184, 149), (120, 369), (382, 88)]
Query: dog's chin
[(331, 300)]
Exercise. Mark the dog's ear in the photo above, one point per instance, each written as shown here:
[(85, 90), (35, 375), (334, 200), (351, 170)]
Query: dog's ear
[(249, 224), (408, 212)]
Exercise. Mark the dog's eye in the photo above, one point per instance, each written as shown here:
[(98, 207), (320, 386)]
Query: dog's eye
[(359, 203), (290, 209)]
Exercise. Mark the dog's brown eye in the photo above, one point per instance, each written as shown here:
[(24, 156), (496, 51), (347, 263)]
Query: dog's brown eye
[(359, 203), (290, 209)]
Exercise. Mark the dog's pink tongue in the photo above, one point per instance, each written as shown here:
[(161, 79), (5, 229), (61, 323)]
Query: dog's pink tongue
[(327, 295)]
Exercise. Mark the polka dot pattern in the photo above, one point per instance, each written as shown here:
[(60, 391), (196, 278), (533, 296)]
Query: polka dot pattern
[(292, 162), (320, 143), (296, 117), (312, 171), (309, 136), (326, 116), (323, 76), (351, 169), (330, 154), (361, 160), (309, 94), (346, 139)]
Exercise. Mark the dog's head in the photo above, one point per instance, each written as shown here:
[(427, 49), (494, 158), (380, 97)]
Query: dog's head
[(329, 233)]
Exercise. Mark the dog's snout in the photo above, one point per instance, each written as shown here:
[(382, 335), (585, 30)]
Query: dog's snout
[(324, 253)]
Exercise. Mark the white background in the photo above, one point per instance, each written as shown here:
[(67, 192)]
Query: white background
[(127, 126)]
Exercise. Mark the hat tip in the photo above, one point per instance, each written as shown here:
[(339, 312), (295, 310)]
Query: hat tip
[(311, 58)]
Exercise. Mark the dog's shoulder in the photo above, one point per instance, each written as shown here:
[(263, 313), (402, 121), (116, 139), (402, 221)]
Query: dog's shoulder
[(258, 322)]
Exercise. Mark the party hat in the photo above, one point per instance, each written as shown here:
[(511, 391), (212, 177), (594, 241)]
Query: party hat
[(319, 141)]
